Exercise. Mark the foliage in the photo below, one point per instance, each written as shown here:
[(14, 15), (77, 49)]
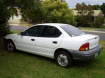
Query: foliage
[(103, 8), (84, 21), (8, 8), (57, 11), (4, 16), (49, 11), (35, 11), (30, 10), (95, 7), (84, 9), (86, 16), (98, 21)]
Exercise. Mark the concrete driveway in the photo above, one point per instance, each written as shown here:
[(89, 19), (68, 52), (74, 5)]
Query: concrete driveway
[(101, 33)]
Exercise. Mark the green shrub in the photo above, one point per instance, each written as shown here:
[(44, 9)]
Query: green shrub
[(58, 12), (85, 21), (98, 21), (49, 11), (90, 21)]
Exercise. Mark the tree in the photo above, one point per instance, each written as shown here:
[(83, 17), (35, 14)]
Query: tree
[(103, 8), (48, 11), (4, 16), (8, 8), (84, 15), (57, 11), (84, 9), (98, 21), (31, 10), (35, 11), (95, 7)]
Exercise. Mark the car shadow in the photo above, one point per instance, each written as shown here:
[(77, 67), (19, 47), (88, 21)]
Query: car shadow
[(83, 64), (36, 56), (75, 64)]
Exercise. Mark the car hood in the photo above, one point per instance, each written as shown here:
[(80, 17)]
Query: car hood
[(10, 36)]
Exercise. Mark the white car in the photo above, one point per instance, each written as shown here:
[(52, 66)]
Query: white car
[(62, 42)]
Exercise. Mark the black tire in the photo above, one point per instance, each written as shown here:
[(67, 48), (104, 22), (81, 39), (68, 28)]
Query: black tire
[(10, 46), (63, 59)]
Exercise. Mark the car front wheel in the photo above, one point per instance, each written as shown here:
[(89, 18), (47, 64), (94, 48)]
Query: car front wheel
[(10, 46), (63, 59)]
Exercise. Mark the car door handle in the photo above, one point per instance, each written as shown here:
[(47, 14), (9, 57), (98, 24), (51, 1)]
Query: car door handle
[(55, 42), (32, 39)]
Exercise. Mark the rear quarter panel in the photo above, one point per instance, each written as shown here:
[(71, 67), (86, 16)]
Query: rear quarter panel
[(71, 43)]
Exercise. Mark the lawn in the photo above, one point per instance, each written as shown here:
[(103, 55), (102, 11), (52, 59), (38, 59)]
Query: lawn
[(91, 29), (23, 65)]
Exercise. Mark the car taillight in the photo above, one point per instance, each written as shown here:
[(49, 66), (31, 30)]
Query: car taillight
[(84, 47)]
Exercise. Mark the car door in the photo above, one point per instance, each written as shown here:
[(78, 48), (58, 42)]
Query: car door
[(26, 40), (48, 41)]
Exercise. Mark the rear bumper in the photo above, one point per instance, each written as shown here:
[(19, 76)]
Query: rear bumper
[(86, 55)]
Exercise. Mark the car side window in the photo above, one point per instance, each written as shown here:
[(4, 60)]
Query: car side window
[(33, 31), (50, 31)]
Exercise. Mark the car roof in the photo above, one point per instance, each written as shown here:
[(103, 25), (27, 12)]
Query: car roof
[(53, 24)]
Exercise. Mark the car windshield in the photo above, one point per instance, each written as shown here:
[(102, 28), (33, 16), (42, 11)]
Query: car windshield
[(72, 31)]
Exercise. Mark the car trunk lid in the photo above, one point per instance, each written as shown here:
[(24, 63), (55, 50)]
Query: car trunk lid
[(92, 39)]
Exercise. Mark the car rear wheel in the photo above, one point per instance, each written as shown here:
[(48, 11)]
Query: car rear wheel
[(63, 59), (10, 46)]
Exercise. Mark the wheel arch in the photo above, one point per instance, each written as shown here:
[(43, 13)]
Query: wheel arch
[(62, 49), (7, 40)]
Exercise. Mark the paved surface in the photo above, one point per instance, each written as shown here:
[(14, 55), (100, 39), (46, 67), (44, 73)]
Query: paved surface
[(101, 30), (101, 33), (18, 28)]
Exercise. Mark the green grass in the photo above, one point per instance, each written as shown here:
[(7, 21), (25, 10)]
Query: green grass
[(90, 28), (23, 65), (21, 23), (14, 31)]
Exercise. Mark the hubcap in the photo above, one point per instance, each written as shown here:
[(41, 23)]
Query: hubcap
[(62, 60), (10, 46)]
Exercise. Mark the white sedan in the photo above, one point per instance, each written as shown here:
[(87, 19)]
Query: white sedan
[(62, 42)]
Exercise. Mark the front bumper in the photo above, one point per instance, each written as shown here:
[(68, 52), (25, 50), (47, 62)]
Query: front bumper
[(86, 55)]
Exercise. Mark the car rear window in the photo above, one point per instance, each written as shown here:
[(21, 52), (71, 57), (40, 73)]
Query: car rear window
[(72, 31)]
